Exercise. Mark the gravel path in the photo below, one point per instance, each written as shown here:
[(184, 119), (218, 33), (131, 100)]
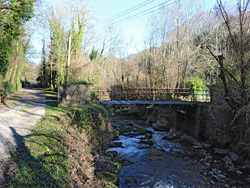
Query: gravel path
[(17, 121)]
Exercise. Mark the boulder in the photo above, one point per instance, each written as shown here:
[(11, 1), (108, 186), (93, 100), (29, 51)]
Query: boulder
[(161, 125), (238, 172), (111, 177), (115, 144), (114, 168), (111, 154), (148, 136), (220, 151), (131, 181), (234, 156), (169, 137), (124, 161), (147, 142), (187, 140)]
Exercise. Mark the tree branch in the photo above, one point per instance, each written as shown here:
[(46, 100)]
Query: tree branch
[(226, 20), (225, 67), (245, 8), (213, 55)]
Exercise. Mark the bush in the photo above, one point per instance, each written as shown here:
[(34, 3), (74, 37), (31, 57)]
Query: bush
[(196, 83)]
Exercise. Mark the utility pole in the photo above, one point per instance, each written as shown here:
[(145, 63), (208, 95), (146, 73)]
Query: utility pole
[(69, 57), (178, 23), (177, 44)]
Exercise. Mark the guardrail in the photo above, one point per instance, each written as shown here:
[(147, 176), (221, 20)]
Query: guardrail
[(168, 94)]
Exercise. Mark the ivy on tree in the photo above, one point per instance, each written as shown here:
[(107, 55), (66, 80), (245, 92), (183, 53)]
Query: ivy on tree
[(13, 15)]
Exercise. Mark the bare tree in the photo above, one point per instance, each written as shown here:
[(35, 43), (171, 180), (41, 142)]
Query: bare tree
[(238, 33)]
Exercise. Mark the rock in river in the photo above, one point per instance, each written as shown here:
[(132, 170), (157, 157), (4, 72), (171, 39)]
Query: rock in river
[(111, 154), (148, 135), (116, 144), (147, 142), (234, 156), (161, 125), (131, 181)]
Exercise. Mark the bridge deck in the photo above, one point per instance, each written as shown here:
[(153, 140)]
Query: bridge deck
[(152, 96), (136, 102)]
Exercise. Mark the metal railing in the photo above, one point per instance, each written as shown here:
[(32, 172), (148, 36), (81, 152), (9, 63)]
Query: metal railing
[(168, 94)]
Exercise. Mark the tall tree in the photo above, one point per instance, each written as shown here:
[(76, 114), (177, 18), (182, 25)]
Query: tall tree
[(235, 75), (13, 40)]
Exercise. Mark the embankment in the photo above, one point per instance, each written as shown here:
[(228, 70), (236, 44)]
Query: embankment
[(63, 148)]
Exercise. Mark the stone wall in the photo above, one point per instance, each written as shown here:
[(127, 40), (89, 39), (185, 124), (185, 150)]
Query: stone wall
[(73, 95)]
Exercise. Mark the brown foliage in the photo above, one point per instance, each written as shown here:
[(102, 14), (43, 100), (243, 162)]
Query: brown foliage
[(81, 160)]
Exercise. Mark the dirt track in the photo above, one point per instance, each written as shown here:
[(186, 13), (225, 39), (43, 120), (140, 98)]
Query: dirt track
[(16, 121)]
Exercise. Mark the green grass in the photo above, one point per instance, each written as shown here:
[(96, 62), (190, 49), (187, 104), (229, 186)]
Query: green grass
[(12, 100), (23, 110), (42, 159), (30, 104)]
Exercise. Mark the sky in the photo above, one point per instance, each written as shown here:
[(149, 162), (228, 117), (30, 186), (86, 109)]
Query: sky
[(133, 31)]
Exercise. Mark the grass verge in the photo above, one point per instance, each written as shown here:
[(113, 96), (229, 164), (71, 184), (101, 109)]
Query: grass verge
[(12, 100), (59, 151)]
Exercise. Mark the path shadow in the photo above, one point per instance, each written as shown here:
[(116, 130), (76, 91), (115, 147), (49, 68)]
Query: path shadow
[(31, 171), (38, 100)]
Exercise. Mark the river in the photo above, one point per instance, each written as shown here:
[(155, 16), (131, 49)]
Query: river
[(160, 160)]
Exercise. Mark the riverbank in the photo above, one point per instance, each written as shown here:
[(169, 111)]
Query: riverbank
[(62, 149), (67, 148)]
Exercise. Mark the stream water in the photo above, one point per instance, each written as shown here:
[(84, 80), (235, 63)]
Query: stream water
[(150, 160)]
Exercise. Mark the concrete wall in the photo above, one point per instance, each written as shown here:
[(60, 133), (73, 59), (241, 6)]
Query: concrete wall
[(73, 95), (193, 120)]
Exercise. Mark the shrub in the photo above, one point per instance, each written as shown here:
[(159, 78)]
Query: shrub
[(196, 83)]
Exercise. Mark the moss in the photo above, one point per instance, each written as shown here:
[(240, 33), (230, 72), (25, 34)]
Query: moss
[(108, 171), (111, 177), (114, 168), (116, 133), (111, 186), (111, 154), (118, 165)]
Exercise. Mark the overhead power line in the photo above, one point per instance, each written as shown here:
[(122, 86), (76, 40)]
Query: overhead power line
[(140, 14), (124, 13)]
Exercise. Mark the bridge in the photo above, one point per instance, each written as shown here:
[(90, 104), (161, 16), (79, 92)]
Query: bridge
[(146, 96), (189, 106)]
